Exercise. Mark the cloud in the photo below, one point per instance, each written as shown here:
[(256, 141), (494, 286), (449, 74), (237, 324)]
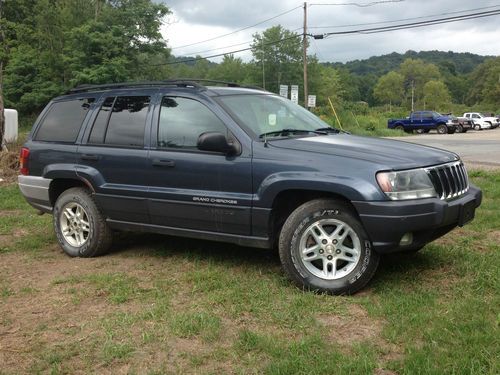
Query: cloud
[(196, 20)]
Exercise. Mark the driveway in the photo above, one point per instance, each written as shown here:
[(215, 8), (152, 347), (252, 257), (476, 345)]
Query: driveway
[(478, 149)]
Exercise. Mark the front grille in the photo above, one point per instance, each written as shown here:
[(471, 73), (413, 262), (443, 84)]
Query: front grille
[(450, 180)]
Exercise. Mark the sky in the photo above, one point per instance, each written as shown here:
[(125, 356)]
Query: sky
[(193, 21)]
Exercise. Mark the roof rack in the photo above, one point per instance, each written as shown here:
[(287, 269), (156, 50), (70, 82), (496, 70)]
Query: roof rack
[(170, 82), (181, 82)]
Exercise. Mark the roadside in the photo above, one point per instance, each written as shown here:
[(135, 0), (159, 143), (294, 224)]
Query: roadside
[(478, 149)]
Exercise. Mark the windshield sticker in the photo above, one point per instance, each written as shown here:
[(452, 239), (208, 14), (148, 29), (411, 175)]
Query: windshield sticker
[(272, 119)]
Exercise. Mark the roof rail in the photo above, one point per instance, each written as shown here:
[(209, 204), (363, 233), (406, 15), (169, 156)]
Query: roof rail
[(170, 82)]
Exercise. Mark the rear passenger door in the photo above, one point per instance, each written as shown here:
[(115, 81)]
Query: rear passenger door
[(195, 189), (113, 156)]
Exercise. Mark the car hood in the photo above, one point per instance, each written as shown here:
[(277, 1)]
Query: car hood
[(386, 153)]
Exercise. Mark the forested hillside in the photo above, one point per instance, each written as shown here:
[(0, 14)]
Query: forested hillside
[(461, 62)]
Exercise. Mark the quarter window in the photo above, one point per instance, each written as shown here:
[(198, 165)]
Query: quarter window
[(182, 121), (64, 120)]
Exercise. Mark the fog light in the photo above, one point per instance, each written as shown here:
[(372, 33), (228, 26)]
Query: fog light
[(407, 239)]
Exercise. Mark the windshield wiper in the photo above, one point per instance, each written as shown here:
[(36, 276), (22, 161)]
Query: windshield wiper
[(330, 130), (286, 132)]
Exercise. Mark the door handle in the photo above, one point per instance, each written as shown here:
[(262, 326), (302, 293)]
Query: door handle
[(90, 157), (163, 163)]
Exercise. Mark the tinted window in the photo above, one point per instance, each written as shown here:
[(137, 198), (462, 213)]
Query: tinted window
[(427, 115), (101, 121), (183, 120), (127, 121), (63, 120)]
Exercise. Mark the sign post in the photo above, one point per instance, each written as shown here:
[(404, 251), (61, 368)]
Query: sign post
[(311, 101), (294, 94), (284, 91)]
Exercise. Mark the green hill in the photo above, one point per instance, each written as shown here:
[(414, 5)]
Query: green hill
[(464, 62)]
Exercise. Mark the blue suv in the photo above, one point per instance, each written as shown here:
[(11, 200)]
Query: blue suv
[(238, 165)]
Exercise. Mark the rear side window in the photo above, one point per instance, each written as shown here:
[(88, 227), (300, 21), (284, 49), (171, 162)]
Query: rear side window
[(121, 121), (63, 120)]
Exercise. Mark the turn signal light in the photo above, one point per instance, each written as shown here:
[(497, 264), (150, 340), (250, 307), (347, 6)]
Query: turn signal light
[(24, 161)]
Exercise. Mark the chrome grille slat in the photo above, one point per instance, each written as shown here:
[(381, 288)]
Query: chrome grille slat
[(450, 180)]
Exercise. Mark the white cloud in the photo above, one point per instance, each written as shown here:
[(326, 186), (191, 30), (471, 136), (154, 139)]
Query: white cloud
[(198, 20)]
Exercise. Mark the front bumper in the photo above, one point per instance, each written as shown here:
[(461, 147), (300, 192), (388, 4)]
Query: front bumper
[(427, 219)]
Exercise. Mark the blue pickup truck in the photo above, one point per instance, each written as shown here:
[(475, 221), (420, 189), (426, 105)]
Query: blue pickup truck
[(425, 121)]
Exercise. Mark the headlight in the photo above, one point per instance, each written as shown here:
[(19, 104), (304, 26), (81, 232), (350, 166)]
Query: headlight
[(412, 184)]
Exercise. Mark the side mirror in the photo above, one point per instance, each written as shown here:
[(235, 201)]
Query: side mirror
[(216, 142)]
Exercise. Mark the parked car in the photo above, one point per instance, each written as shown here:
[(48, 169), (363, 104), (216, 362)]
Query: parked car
[(425, 121), (482, 122), (464, 124), (242, 166)]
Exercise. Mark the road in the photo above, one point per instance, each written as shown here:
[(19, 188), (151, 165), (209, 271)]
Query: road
[(478, 149)]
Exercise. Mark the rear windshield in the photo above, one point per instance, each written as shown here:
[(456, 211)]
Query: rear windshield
[(63, 120)]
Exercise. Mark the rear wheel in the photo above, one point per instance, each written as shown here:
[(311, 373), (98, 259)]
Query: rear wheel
[(80, 228), (477, 127), (323, 247), (460, 129), (451, 131), (442, 129), (400, 128)]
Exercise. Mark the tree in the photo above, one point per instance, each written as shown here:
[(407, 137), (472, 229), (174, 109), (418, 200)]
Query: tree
[(437, 95), (230, 69), (57, 44), (416, 74), (279, 54), (484, 83), (390, 89)]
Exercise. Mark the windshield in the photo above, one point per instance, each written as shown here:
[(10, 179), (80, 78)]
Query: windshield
[(436, 114), (270, 113)]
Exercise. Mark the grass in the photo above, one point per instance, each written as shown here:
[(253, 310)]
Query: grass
[(160, 305)]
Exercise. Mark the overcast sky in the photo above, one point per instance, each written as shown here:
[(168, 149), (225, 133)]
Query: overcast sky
[(193, 21)]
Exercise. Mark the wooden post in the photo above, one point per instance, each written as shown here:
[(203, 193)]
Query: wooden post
[(304, 49)]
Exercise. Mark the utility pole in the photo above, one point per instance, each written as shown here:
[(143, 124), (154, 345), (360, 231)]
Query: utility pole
[(304, 47), (412, 94), (263, 71)]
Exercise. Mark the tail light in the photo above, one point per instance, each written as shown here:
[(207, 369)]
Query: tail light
[(24, 161)]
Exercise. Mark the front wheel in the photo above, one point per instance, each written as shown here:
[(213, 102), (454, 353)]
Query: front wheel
[(80, 227), (323, 247), (442, 129)]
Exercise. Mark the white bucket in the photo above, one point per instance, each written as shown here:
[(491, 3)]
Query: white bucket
[(11, 125)]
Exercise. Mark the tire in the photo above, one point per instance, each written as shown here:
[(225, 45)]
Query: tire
[(420, 131), (76, 211), (400, 127), (442, 129), (340, 276), (460, 129), (451, 131), (477, 127)]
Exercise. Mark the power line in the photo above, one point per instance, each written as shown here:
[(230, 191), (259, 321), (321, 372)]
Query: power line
[(361, 5), (412, 25), (237, 31), (232, 45), (359, 31), (296, 36), (400, 20)]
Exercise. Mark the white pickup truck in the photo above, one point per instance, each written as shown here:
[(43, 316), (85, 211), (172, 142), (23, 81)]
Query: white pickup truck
[(482, 122)]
